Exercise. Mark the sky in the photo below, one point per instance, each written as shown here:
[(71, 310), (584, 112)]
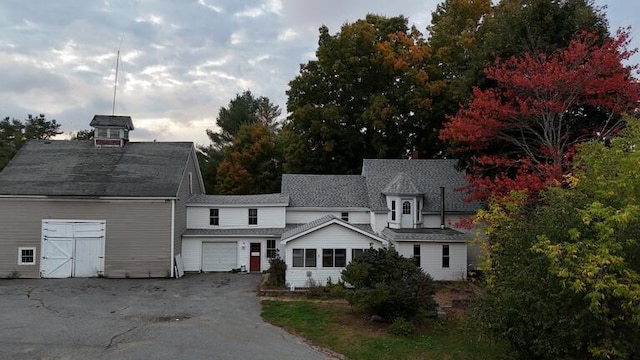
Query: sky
[(180, 60)]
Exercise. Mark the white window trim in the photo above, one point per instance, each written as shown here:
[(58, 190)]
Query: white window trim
[(20, 249)]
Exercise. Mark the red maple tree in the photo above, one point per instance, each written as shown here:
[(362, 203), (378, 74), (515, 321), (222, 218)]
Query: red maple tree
[(521, 133)]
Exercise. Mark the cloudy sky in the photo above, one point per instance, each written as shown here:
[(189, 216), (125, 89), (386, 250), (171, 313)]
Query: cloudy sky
[(180, 59)]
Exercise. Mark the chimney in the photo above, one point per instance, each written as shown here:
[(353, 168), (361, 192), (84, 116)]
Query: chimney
[(442, 207), (111, 130)]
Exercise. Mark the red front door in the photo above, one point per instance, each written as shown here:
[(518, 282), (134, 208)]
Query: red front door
[(254, 260)]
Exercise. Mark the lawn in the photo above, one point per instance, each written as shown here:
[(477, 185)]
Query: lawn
[(337, 326)]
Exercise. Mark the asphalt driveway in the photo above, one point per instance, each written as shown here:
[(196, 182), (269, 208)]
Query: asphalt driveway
[(204, 316)]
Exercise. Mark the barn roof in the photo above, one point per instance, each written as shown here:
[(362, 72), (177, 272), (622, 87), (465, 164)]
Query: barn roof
[(78, 168)]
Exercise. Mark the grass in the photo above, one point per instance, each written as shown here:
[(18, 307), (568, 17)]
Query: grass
[(336, 326)]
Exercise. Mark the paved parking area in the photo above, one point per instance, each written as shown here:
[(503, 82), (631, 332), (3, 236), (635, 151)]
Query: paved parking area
[(201, 316)]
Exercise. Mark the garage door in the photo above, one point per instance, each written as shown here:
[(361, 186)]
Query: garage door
[(219, 256), (72, 248)]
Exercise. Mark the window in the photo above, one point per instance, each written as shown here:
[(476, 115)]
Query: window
[(406, 208), (304, 257), (214, 217), (26, 256), (190, 183), (114, 133), (416, 254), (334, 257), (418, 211), (356, 252), (344, 216), (271, 249), (101, 133), (445, 256), (393, 210), (253, 216)]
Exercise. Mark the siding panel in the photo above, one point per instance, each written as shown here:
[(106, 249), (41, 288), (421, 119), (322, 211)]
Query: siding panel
[(137, 235), (295, 216), (330, 237)]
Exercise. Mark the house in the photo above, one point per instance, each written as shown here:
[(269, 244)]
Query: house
[(227, 232), (319, 223), (103, 207)]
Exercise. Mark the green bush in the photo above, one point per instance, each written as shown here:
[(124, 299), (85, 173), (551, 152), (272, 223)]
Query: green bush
[(401, 327), (277, 271), (389, 285)]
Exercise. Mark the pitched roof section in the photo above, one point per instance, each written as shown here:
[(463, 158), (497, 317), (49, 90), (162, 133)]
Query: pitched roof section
[(261, 199), (271, 232), (401, 185), (427, 175), (112, 120), (430, 235), (336, 191), (78, 168), (324, 221)]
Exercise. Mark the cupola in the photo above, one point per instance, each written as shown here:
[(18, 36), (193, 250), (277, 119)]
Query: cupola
[(111, 130)]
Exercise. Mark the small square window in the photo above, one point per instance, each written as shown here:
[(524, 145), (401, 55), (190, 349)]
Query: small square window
[(344, 216), (102, 133), (26, 256)]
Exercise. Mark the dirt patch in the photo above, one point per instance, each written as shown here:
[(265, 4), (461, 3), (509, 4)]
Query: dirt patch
[(455, 298)]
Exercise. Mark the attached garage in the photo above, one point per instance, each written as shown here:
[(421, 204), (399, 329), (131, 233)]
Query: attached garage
[(72, 248), (209, 255), (219, 256)]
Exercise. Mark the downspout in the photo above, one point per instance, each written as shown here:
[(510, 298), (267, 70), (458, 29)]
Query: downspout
[(442, 207), (173, 230)]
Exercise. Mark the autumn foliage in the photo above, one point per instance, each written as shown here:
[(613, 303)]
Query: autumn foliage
[(521, 133)]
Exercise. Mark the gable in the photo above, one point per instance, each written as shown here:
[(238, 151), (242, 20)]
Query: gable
[(332, 224)]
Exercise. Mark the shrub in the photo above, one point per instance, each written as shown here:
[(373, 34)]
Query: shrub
[(401, 327), (277, 270), (388, 284)]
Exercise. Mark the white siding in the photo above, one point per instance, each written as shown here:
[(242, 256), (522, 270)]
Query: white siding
[(431, 259), (236, 217), (433, 221), (192, 251), (301, 216), (331, 237), (192, 254), (378, 221)]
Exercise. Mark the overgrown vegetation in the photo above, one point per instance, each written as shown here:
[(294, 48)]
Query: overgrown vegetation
[(389, 285), (563, 279), (277, 271), (341, 328)]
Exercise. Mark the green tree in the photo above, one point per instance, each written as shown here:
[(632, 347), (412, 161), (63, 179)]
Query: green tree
[(251, 165), (244, 109), (563, 277), (360, 98), (84, 135), (389, 285), (14, 133)]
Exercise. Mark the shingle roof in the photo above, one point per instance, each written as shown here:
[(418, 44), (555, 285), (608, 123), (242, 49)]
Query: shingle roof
[(273, 232), (112, 120), (426, 175), (261, 199), (447, 235), (401, 185), (78, 168), (325, 190)]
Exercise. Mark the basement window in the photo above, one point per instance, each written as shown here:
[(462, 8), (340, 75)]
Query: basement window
[(26, 256)]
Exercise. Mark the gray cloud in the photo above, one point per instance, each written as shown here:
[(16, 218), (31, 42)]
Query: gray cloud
[(180, 60)]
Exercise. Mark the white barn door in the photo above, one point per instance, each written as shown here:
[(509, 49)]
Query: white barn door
[(72, 248)]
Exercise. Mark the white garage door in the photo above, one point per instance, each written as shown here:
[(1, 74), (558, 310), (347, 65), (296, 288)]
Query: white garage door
[(72, 248), (219, 256)]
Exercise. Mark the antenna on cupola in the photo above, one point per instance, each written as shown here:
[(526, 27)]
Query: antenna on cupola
[(115, 82)]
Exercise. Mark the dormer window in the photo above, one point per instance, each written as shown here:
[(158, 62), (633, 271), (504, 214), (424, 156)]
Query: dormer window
[(102, 133), (114, 133)]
